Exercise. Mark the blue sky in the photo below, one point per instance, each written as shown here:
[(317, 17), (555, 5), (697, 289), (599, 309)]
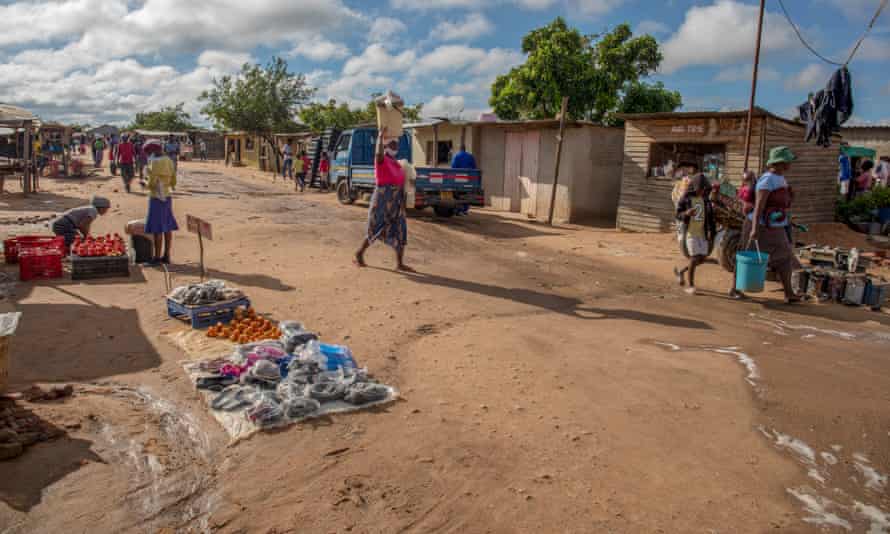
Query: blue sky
[(105, 60)]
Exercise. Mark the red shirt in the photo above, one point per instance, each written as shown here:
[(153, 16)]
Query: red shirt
[(126, 154), (324, 166), (389, 172)]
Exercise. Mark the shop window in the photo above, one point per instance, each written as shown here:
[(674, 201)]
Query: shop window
[(667, 161)]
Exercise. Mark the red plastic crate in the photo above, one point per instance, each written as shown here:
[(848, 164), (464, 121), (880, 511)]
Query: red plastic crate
[(40, 264), (13, 246)]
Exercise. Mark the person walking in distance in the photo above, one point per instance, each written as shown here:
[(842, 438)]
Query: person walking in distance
[(126, 159), (287, 152)]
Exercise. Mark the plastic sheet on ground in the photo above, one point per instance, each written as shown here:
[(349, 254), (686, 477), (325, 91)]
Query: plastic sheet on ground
[(239, 427)]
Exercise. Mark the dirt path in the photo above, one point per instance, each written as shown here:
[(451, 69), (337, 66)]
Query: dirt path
[(554, 380)]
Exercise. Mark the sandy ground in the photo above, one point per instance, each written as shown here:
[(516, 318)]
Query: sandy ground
[(553, 380)]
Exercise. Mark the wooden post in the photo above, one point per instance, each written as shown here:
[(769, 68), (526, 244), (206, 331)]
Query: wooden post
[(754, 84), (201, 250), (562, 130), (26, 155), (435, 154)]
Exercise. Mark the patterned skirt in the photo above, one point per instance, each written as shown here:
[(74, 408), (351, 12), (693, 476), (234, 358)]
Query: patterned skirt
[(386, 217)]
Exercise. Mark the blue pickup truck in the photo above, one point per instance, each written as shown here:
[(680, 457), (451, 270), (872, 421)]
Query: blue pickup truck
[(445, 190)]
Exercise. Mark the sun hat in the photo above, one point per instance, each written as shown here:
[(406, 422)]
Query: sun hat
[(780, 154), (100, 202)]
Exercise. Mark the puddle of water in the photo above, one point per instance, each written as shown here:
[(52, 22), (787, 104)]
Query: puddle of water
[(817, 508)]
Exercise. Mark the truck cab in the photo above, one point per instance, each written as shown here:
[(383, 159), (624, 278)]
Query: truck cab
[(444, 189)]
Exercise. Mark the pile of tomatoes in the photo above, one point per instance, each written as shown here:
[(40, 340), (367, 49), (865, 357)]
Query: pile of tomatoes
[(246, 327), (108, 245)]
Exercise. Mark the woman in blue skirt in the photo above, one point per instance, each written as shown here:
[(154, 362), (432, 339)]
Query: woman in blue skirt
[(161, 183)]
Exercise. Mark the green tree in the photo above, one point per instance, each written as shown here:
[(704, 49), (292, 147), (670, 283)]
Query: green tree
[(168, 119), (642, 97), (320, 116), (260, 99), (594, 71)]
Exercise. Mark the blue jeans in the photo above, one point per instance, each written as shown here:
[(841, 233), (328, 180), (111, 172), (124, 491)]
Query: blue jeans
[(287, 171)]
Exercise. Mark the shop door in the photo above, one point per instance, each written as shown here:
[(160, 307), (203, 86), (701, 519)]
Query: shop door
[(512, 171), (528, 177)]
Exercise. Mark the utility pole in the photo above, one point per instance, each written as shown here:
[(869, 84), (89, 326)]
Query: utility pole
[(562, 131), (754, 83)]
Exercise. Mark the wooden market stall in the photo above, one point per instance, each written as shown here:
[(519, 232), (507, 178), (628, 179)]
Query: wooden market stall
[(657, 144), (17, 155), (55, 142)]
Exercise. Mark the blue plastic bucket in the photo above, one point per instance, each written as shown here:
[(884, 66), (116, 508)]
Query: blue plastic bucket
[(750, 272)]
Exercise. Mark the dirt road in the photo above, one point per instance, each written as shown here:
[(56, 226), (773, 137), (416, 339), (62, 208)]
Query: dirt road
[(553, 380)]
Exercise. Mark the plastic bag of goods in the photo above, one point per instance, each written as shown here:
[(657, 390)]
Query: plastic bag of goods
[(294, 335), (389, 114), (329, 357)]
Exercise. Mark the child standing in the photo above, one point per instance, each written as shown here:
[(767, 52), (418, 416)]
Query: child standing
[(746, 196), (696, 212)]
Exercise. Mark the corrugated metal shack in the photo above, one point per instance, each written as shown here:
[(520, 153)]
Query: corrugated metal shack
[(656, 144)]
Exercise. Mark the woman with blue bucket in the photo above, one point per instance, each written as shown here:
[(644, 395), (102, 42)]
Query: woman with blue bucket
[(769, 236)]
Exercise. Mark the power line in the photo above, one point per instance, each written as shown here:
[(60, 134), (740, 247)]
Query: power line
[(809, 47)]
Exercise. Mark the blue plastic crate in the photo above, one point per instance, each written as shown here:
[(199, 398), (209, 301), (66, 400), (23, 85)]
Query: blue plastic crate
[(207, 315)]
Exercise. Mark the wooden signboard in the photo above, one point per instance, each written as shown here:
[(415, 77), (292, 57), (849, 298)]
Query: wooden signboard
[(203, 229), (199, 226)]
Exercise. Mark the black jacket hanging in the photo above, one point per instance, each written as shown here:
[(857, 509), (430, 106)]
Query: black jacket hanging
[(827, 110)]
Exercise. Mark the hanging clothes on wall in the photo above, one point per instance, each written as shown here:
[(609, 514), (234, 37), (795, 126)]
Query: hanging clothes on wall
[(828, 109)]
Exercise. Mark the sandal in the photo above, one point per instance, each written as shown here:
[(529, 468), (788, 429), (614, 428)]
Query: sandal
[(215, 383)]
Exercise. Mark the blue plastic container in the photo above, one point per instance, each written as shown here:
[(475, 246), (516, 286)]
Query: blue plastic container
[(750, 272)]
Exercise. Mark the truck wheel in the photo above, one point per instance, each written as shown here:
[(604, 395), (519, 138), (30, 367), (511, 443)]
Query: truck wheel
[(729, 246), (344, 195), (443, 211)]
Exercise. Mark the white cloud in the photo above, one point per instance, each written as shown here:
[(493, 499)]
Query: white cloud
[(385, 27), (376, 59), (223, 61), (652, 27), (741, 73), (722, 34), (811, 78), (471, 27), (475, 4), (475, 61), (595, 8), (444, 106), (46, 21), (318, 49)]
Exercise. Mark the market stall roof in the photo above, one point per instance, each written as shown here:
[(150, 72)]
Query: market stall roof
[(14, 116), (153, 133), (858, 151)]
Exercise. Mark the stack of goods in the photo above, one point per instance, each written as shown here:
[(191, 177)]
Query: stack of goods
[(208, 292), (839, 275), (273, 383), (92, 247), (211, 304)]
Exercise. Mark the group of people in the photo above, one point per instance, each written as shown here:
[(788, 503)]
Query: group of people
[(295, 168), (870, 175), (766, 206), (160, 222)]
